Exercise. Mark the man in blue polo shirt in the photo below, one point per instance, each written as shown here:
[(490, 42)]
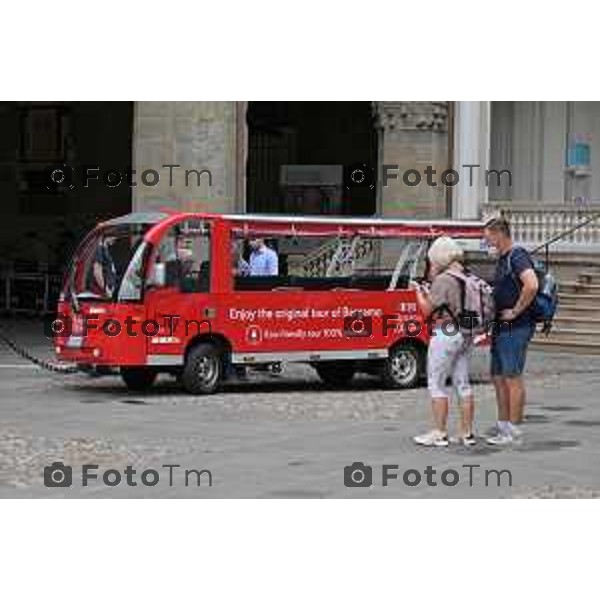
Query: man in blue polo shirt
[(263, 260), (515, 287)]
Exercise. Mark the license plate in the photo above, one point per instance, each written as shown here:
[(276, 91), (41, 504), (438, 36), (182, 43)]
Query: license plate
[(74, 342)]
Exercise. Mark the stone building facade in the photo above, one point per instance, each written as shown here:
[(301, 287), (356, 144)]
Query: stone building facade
[(536, 162), (214, 136), (198, 136), (290, 157)]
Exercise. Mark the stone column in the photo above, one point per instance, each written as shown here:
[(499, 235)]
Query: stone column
[(471, 147), (203, 136), (412, 136)]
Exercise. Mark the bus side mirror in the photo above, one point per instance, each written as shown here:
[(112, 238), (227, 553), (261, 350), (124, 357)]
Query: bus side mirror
[(158, 275)]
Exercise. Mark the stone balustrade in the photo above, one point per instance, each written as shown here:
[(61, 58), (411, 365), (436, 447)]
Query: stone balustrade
[(534, 224)]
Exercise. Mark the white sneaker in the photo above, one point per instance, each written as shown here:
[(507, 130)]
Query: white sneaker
[(500, 439), (515, 432), (432, 438)]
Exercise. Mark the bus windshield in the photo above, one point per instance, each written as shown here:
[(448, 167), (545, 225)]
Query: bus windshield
[(108, 260)]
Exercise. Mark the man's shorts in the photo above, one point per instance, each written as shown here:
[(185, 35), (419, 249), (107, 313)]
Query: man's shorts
[(509, 350)]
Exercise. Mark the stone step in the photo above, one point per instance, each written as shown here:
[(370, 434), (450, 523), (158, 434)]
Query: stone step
[(589, 276), (579, 287), (585, 311), (577, 321), (567, 345), (577, 298), (581, 334), (576, 327)]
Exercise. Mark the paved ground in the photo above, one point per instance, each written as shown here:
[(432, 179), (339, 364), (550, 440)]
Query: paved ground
[(287, 437)]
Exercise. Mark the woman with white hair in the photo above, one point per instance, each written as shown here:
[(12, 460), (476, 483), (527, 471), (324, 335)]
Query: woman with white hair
[(449, 346)]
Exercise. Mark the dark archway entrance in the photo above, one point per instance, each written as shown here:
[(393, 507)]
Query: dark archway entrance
[(43, 135), (41, 224), (297, 152)]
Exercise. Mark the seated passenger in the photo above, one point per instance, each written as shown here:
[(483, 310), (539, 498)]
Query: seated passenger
[(263, 260)]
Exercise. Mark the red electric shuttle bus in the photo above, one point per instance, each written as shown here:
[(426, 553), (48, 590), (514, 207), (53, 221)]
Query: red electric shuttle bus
[(181, 293)]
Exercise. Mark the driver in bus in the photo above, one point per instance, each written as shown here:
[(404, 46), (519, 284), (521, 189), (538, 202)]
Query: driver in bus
[(104, 271), (183, 250), (263, 260), (185, 257)]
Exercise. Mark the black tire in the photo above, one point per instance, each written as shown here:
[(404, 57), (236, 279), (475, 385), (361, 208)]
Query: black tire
[(203, 369), (335, 373), (404, 367), (138, 379)]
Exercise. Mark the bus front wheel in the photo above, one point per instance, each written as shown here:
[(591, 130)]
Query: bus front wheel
[(403, 367), (202, 369), (138, 379)]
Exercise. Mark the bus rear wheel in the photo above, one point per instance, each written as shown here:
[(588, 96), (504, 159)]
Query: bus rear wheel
[(202, 370), (138, 379), (335, 373), (403, 367)]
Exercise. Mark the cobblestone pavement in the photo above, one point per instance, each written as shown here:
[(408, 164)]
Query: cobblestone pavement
[(288, 437)]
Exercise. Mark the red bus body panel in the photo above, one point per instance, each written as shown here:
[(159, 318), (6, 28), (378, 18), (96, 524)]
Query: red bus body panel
[(274, 322)]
